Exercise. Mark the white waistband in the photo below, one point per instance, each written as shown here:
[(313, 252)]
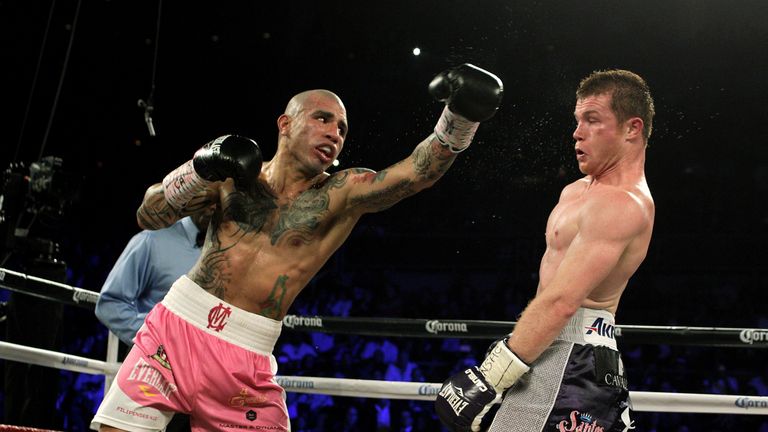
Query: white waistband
[(205, 311), (591, 326)]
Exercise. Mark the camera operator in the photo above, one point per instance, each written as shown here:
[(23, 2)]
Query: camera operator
[(33, 203)]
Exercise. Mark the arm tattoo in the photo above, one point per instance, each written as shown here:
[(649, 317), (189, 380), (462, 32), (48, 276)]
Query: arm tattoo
[(273, 306), (430, 160), (155, 212), (421, 161), (154, 219), (386, 198), (367, 176)]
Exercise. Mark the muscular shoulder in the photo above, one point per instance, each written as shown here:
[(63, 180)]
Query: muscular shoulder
[(618, 212), (574, 189)]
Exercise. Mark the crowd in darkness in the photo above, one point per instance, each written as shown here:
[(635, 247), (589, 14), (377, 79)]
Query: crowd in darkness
[(492, 295)]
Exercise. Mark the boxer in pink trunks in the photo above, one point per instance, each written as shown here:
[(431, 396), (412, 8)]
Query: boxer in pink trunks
[(225, 374), (206, 349)]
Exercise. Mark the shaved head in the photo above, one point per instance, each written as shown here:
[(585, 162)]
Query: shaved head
[(297, 102)]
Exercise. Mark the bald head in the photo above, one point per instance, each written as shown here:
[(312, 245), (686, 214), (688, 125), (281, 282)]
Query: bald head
[(297, 103), (313, 118)]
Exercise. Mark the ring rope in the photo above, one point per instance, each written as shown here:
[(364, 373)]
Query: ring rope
[(41, 357), (723, 337), (49, 290), (478, 329), (11, 428), (641, 401)]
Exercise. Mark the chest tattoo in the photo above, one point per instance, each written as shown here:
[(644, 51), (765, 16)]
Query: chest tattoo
[(249, 212), (254, 212), (301, 217)]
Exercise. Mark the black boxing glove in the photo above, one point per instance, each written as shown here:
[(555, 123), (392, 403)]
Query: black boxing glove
[(226, 156), (229, 156), (466, 397), (471, 95)]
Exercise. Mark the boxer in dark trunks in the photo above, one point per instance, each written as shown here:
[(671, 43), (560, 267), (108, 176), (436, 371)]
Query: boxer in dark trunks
[(560, 368)]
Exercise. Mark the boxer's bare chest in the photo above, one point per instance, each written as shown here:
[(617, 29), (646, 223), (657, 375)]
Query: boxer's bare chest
[(563, 223), (299, 217), (266, 245)]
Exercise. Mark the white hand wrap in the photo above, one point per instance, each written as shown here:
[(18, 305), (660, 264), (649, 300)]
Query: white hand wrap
[(182, 184), (502, 368), (454, 131)]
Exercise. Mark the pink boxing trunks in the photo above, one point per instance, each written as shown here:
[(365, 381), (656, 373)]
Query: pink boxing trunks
[(198, 355)]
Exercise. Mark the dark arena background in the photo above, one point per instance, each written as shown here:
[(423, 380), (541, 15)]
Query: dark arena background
[(73, 73)]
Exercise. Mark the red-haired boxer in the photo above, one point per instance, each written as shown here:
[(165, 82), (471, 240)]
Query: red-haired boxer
[(560, 369)]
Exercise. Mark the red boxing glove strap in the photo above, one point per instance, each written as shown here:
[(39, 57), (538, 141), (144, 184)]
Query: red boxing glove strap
[(182, 184), (454, 131)]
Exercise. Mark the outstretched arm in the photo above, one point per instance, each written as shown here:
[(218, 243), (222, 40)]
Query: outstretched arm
[(471, 95), (372, 191)]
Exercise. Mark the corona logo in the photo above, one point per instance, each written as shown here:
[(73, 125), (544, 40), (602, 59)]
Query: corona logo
[(287, 383), (751, 402), (750, 336), (292, 321), (217, 317), (82, 296), (435, 327), (428, 390)]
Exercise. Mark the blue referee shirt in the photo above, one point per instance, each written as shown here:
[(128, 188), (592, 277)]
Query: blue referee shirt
[(143, 274)]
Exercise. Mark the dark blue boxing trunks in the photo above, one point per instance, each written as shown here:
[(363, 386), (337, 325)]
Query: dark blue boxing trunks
[(577, 385)]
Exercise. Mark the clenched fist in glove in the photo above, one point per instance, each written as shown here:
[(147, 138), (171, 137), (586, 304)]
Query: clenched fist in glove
[(467, 396), (471, 95), (229, 156)]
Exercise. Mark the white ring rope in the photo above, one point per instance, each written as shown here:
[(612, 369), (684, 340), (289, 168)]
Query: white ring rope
[(641, 401), (41, 357)]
